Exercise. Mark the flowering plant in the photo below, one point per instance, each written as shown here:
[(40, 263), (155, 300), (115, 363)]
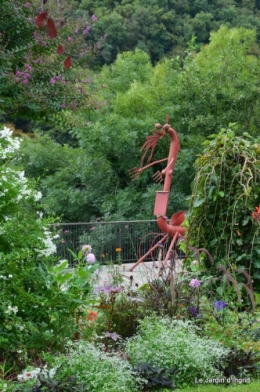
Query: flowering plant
[(256, 214), (194, 283)]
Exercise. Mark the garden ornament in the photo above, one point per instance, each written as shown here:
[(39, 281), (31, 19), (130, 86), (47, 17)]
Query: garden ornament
[(173, 227)]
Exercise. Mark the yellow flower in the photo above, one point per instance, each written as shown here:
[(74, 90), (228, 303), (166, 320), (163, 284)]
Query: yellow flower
[(118, 249)]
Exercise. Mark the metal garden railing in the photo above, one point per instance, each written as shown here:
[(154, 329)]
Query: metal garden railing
[(111, 241)]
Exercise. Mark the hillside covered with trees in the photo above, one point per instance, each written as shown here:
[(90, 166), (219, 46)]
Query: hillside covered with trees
[(88, 121), (162, 27)]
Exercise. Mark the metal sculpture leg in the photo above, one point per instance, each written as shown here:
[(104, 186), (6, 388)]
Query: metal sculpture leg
[(149, 252)]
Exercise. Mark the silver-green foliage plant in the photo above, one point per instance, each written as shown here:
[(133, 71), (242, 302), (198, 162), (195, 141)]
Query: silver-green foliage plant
[(94, 370), (168, 343)]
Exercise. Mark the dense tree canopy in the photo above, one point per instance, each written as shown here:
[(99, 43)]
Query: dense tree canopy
[(106, 114), (163, 27), (217, 86)]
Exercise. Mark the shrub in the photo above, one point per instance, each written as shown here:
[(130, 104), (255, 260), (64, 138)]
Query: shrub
[(36, 313), (168, 344), (85, 367), (225, 193)]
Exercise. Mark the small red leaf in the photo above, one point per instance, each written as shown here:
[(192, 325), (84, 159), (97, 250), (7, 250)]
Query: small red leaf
[(41, 18), (60, 49), (67, 62), (51, 29)]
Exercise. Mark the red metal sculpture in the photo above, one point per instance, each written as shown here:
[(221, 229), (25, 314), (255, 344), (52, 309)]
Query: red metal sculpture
[(172, 228)]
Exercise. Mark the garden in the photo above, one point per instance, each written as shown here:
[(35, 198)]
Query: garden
[(65, 330), (71, 128)]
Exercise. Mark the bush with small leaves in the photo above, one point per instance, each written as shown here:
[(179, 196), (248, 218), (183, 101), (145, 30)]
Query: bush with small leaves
[(85, 367), (169, 343)]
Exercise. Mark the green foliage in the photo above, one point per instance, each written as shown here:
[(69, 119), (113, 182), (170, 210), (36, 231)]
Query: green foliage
[(71, 185), (39, 300), (225, 193), (219, 85), (161, 28), (34, 83), (173, 343), (86, 367)]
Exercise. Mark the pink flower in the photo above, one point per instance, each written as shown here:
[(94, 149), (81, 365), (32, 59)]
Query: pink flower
[(69, 39), (52, 81), (113, 335), (93, 228), (29, 67), (194, 283), (26, 5), (94, 18), (86, 30), (25, 81), (91, 259), (86, 248)]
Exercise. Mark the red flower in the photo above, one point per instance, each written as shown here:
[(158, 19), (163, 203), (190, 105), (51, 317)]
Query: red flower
[(41, 18), (60, 49), (256, 215), (92, 315)]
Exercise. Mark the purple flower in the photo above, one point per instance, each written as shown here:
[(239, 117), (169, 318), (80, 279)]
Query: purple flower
[(113, 335), (87, 30), (29, 67), (194, 283), (26, 5), (25, 81), (107, 289), (52, 81), (94, 18), (219, 305), (91, 259), (192, 310), (19, 73)]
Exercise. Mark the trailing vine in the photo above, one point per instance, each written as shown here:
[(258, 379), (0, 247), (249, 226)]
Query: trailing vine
[(226, 191)]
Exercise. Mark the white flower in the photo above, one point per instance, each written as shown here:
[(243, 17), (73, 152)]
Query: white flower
[(11, 309), (28, 375), (9, 144), (37, 196), (49, 247), (40, 214)]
